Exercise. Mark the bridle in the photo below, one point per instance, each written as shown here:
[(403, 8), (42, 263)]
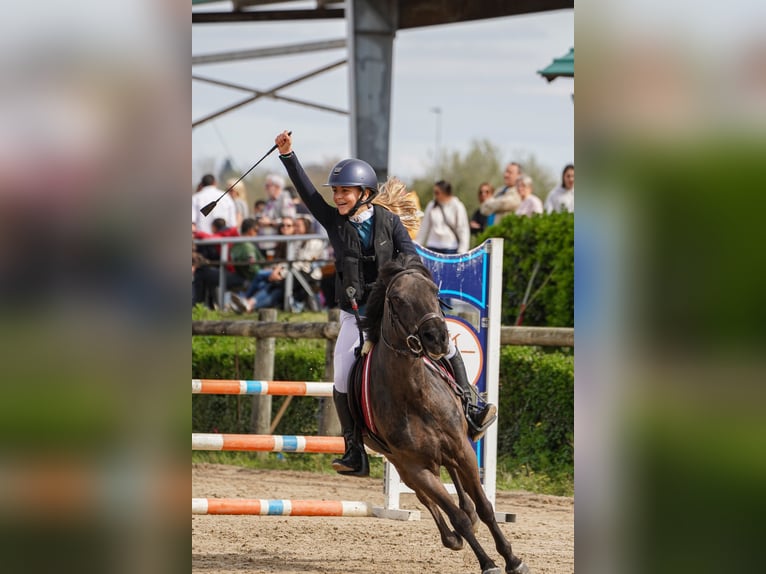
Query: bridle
[(412, 337)]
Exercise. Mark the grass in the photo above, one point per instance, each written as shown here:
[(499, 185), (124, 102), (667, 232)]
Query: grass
[(561, 484), (320, 463)]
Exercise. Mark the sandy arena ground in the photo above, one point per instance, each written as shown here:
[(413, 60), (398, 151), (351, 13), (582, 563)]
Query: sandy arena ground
[(543, 534)]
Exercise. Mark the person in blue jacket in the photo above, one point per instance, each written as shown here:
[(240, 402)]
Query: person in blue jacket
[(364, 237)]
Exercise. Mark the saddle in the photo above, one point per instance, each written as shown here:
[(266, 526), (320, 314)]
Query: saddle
[(359, 396)]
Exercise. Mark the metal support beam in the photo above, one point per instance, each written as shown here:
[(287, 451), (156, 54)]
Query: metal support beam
[(268, 52), (261, 93), (372, 27), (269, 93)]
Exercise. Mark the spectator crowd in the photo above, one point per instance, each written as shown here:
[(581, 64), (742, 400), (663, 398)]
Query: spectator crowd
[(255, 272)]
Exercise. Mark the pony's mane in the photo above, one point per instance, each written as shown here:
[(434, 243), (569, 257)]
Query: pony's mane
[(393, 195), (374, 314)]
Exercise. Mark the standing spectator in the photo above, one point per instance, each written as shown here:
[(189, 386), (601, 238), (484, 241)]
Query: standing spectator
[(561, 198), (238, 194), (444, 228), (530, 203), (506, 199), (478, 219), (306, 256), (207, 191), (279, 204)]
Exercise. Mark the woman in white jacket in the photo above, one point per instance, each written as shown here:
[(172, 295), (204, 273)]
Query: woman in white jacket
[(445, 227)]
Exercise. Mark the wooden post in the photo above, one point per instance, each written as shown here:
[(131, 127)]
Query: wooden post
[(263, 369), (329, 425)]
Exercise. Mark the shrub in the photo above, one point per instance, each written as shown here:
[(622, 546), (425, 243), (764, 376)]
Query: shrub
[(543, 241)]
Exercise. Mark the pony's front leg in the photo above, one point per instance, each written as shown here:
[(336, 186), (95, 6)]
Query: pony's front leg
[(428, 485), (450, 538)]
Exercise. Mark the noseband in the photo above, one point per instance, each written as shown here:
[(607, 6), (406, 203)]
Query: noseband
[(412, 339)]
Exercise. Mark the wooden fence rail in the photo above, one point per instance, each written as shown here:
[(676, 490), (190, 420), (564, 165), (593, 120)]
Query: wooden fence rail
[(543, 336), (268, 329)]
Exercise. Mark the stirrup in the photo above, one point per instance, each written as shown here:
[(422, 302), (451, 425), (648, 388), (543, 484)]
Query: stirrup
[(478, 428)]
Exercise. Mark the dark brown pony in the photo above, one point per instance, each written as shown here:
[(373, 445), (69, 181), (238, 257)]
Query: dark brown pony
[(417, 414)]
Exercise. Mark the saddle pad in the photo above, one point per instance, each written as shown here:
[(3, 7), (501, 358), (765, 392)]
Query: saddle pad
[(364, 403)]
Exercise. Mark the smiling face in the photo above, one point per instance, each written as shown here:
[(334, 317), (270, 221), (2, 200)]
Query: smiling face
[(345, 198)]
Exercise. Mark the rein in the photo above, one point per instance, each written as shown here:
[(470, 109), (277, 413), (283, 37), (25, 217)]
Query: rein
[(412, 340)]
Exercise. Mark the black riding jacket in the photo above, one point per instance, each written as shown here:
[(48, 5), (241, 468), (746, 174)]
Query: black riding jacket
[(354, 267)]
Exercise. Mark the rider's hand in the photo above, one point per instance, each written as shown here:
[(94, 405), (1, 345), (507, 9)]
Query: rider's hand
[(284, 142)]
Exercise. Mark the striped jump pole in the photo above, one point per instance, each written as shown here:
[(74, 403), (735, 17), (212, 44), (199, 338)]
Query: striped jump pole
[(268, 443), (241, 506), (248, 387)]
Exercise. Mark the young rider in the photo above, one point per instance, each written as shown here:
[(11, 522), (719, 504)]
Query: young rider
[(364, 237)]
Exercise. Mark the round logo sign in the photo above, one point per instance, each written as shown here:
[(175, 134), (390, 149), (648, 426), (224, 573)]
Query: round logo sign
[(468, 344)]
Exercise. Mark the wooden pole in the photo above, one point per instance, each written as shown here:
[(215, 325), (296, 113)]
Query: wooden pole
[(263, 369)]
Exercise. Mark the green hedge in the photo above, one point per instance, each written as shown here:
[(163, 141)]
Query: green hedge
[(233, 358), (536, 397), (536, 409), (548, 239)]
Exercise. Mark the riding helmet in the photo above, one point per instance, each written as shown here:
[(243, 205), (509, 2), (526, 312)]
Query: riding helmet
[(351, 173)]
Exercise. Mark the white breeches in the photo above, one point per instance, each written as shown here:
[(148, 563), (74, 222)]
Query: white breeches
[(348, 340)]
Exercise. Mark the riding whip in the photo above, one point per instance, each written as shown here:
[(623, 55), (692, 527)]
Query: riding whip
[(211, 206)]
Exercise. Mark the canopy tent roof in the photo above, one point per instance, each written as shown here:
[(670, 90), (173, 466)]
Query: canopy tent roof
[(563, 66)]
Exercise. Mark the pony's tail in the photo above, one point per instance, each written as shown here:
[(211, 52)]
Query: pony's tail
[(393, 195)]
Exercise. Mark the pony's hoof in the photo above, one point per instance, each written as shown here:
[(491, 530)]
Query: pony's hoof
[(520, 569), (494, 570), (453, 542)]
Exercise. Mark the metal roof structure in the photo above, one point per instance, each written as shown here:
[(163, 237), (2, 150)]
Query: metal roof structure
[(371, 29)]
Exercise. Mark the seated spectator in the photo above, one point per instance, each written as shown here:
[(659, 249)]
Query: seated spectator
[(247, 252), (561, 198), (478, 219), (530, 203), (259, 206), (267, 288), (207, 277)]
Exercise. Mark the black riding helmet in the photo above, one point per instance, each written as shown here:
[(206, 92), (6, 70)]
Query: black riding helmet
[(354, 173)]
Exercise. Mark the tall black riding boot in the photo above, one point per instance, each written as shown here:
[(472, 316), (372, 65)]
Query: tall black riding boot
[(354, 461), (479, 417)]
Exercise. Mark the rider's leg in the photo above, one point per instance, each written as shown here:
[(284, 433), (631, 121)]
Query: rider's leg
[(479, 417), (354, 460)]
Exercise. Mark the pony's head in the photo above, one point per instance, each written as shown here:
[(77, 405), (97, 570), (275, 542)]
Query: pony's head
[(403, 310)]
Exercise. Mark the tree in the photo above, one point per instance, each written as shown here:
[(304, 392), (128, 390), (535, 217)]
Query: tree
[(482, 162)]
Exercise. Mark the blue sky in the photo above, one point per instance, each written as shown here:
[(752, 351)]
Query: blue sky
[(481, 74)]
